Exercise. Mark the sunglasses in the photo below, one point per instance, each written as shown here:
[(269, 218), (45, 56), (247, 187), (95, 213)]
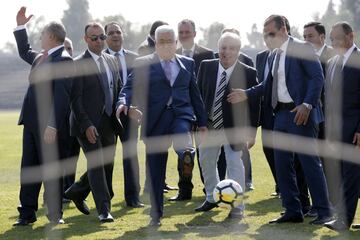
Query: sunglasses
[(94, 38)]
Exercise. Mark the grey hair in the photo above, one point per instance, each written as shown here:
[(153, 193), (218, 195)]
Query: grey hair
[(57, 30), (164, 29), (231, 35)]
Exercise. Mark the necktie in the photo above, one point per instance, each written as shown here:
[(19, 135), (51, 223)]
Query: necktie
[(217, 115), (167, 71), (274, 94), (106, 88)]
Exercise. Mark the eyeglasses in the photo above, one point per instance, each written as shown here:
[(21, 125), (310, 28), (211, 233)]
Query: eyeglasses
[(94, 38), (110, 33)]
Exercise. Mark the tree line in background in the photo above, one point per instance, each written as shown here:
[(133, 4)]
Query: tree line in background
[(78, 12)]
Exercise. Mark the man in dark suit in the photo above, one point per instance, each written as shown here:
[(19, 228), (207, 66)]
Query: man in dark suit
[(93, 121), (314, 33), (44, 121), (162, 85), (297, 80), (186, 35), (245, 59), (343, 117), (216, 78), (126, 59), (148, 45)]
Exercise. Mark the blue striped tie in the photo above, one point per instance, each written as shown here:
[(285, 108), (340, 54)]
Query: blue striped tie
[(217, 115)]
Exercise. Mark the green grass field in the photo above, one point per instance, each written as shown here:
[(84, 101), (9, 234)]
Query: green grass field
[(180, 220)]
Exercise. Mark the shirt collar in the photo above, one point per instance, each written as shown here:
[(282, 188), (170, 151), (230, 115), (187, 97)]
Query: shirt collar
[(54, 49), (228, 71), (284, 46), (94, 56), (192, 49), (121, 52), (320, 51), (348, 53)]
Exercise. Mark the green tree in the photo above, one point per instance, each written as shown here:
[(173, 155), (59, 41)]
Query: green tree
[(75, 19)]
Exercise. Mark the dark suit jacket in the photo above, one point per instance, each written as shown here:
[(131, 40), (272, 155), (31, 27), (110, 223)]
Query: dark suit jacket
[(130, 57), (324, 58), (350, 102), (304, 79), (234, 115), (243, 58), (55, 108), (200, 53), (148, 88), (87, 96), (146, 47), (267, 115)]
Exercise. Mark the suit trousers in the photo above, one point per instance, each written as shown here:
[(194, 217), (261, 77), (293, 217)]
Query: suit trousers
[(34, 155), (100, 163), (311, 165), (129, 139), (171, 130), (209, 153)]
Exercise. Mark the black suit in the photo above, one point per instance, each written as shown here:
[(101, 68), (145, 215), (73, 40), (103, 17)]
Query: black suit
[(185, 185), (52, 112), (88, 109), (130, 132), (343, 98)]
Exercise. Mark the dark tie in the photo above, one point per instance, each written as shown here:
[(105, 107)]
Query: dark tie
[(106, 88), (217, 115), (274, 94), (117, 55)]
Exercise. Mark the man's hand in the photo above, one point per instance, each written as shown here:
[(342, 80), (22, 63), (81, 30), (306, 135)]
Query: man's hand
[(50, 135), (356, 140), (91, 134), (202, 133), (237, 95), (135, 114), (302, 114), (121, 109), (21, 19)]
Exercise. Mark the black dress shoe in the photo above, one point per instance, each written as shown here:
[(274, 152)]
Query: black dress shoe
[(105, 217), (135, 204), (180, 197), (154, 222), (81, 206), (24, 222), (321, 220), (312, 213), (337, 225), (236, 213), (170, 188), (206, 206), (288, 218), (356, 226)]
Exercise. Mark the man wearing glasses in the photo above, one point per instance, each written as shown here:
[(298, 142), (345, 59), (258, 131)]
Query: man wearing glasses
[(93, 121)]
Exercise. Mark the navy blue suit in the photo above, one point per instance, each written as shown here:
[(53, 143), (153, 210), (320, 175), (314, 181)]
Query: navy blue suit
[(130, 132), (149, 89), (53, 113), (347, 88), (304, 81)]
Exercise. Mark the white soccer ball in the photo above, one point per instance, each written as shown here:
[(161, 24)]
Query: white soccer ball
[(228, 194)]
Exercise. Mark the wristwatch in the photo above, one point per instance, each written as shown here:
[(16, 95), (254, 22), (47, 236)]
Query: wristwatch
[(308, 106)]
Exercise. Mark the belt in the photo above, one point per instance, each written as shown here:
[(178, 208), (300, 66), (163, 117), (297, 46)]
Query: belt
[(284, 106)]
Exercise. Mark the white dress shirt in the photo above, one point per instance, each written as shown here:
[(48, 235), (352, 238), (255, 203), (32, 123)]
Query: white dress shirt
[(283, 92), (192, 49), (122, 63)]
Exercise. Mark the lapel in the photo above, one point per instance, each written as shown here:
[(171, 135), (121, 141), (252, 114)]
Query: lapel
[(93, 67), (213, 72), (263, 63), (182, 71), (288, 57), (350, 63), (156, 66)]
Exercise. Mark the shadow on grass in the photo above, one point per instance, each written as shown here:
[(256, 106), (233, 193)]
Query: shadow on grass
[(263, 207)]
